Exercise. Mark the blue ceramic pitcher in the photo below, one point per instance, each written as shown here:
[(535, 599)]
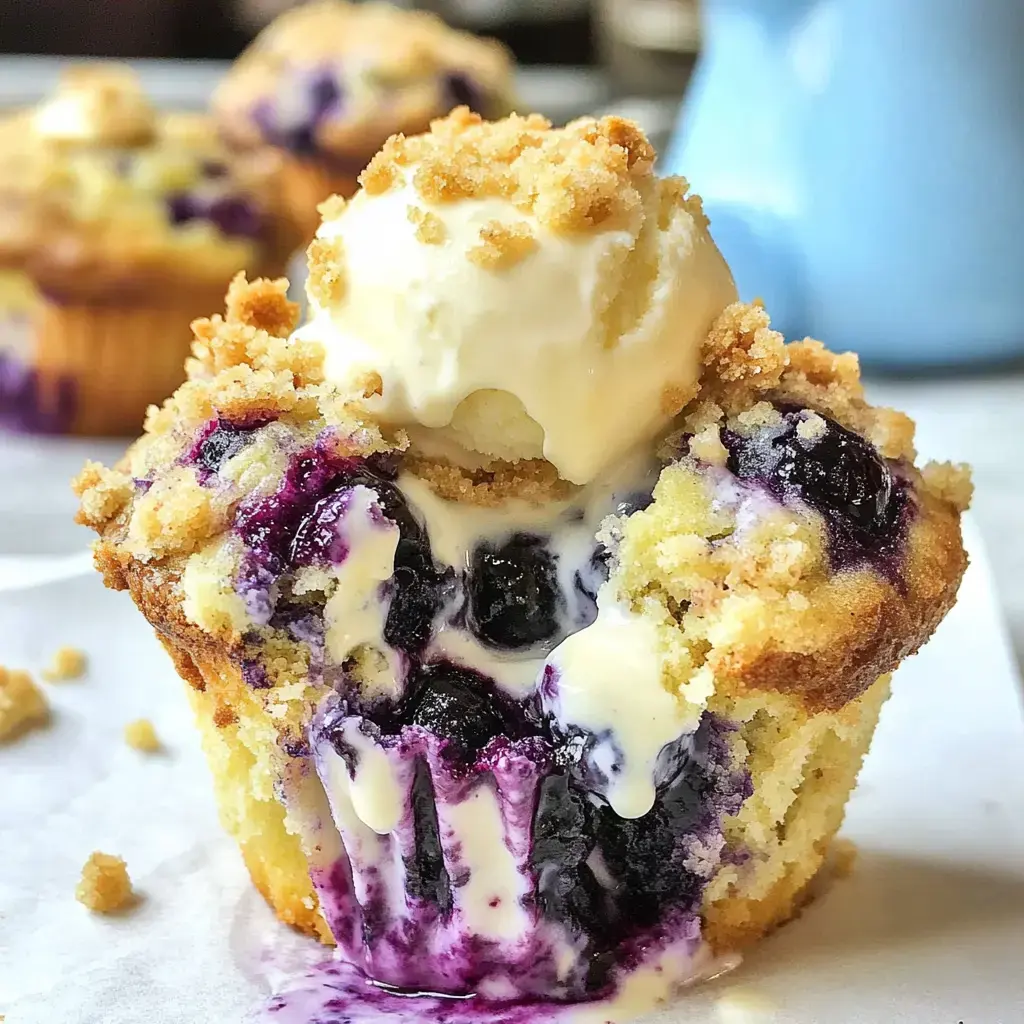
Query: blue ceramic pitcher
[(862, 163)]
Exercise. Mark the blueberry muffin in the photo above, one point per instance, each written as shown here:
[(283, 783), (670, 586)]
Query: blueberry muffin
[(118, 226), (324, 86), (536, 600)]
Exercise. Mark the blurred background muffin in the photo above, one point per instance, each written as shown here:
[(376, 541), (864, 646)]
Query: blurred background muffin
[(325, 84), (118, 226)]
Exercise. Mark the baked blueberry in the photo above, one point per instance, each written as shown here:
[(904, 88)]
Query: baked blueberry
[(513, 593), (458, 705)]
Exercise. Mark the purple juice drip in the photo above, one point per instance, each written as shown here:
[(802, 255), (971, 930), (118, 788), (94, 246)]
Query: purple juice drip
[(27, 405)]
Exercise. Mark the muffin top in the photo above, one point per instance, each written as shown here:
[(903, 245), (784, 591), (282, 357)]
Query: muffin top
[(102, 194), (332, 80)]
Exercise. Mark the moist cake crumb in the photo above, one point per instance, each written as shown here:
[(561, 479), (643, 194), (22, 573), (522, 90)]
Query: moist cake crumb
[(67, 663), (105, 885), (141, 735), (22, 703)]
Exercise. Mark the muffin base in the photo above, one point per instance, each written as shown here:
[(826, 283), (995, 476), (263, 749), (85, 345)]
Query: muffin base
[(116, 361), (803, 768)]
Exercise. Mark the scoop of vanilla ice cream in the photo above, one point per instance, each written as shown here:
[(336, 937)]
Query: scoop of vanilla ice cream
[(521, 292)]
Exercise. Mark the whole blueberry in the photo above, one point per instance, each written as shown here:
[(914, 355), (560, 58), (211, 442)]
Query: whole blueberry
[(458, 705), (513, 593)]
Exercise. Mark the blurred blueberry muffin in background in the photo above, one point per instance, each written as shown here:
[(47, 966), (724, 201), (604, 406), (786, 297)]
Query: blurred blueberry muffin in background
[(119, 225), (536, 600), (323, 86)]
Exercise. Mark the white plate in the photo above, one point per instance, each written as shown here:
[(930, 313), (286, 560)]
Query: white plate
[(929, 929)]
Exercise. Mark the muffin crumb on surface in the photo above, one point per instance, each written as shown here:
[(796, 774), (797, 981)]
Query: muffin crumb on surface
[(67, 663), (141, 735), (105, 886), (22, 703)]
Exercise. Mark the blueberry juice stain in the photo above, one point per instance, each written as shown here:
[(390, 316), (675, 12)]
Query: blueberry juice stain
[(334, 992)]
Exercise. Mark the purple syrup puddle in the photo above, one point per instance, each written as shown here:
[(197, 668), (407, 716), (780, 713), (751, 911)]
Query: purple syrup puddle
[(337, 993), (865, 505)]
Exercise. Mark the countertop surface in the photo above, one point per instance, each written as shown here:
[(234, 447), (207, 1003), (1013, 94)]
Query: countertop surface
[(969, 416)]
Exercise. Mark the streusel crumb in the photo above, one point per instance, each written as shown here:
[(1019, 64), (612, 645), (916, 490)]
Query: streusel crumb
[(22, 703), (532, 480), (104, 492), (326, 284), (950, 481), (67, 663), (332, 207), (583, 177), (105, 886), (141, 735), (502, 245), (429, 227)]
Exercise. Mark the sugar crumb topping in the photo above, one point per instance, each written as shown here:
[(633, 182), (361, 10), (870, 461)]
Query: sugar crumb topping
[(585, 176), (429, 227), (22, 703), (105, 886), (502, 245), (140, 735)]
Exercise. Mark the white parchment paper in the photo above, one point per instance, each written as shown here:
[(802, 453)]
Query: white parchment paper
[(930, 928)]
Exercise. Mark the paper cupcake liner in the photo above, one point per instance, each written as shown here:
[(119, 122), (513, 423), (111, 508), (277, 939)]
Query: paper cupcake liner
[(776, 784), (94, 369)]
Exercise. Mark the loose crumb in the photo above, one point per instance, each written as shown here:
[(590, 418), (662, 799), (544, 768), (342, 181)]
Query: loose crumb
[(502, 245), (429, 227), (141, 735), (842, 857), (67, 663), (105, 885), (22, 703)]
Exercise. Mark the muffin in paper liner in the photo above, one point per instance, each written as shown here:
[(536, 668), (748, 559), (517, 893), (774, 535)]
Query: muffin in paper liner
[(326, 84), (453, 834), (121, 225)]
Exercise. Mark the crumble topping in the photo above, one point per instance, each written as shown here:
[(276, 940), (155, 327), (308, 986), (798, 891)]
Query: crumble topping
[(67, 663), (326, 258), (140, 735), (531, 480), (429, 227), (583, 177), (502, 245), (22, 703), (105, 886)]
